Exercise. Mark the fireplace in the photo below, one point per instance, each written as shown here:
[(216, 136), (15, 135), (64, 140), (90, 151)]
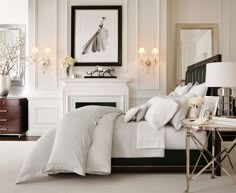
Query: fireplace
[(82, 104), (79, 92)]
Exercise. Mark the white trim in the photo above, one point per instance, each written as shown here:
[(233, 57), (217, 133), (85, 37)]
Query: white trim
[(54, 64), (92, 88), (36, 118)]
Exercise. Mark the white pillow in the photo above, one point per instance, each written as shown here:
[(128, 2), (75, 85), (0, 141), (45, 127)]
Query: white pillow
[(181, 112), (181, 90), (160, 112), (130, 114), (199, 89), (141, 112)]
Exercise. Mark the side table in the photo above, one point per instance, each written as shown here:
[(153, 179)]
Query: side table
[(215, 160)]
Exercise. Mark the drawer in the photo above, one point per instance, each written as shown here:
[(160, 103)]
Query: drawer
[(10, 121), (12, 111), (13, 127), (9, 130), (12, 102)]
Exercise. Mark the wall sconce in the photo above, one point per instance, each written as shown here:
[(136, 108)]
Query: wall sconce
[(45, 61), (148, 62)]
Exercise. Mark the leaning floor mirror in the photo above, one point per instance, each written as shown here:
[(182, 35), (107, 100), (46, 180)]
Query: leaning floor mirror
[(194, 42), (9, 35)]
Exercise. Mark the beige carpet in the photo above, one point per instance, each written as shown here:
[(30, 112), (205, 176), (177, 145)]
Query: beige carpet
[(13, 153)]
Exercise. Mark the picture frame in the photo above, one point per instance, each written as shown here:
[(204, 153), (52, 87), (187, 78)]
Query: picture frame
[(96, 35), (209, 107)]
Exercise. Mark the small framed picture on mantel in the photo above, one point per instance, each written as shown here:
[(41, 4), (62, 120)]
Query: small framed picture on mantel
[(96, 35)]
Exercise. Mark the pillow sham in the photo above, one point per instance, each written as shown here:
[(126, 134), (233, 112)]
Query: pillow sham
[(141, 112), (181, 90), (182, 111), (130, 114), (160, 111), (198, 89)]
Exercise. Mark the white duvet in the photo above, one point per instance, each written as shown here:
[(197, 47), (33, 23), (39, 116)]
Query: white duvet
[(81, 144)]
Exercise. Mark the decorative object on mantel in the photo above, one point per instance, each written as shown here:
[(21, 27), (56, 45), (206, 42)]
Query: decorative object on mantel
[(9, 58), (45, 60), (67, 63), (101, 72), (146, 64)]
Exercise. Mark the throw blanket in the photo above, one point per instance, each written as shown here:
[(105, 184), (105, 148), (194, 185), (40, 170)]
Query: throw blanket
[(83, 144)]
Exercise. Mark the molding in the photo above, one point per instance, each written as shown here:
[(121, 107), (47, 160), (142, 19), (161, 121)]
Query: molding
[(157, 42), (44, 98), (36, 118), (36, 132), (55, 43), (53, 66)]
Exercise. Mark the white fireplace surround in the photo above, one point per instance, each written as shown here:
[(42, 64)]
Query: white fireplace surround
[(95, 90)]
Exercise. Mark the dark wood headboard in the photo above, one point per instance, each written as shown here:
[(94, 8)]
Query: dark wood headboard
[(197, 73)]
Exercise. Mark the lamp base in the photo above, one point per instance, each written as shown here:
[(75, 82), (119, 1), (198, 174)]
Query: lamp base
[(225, 105)]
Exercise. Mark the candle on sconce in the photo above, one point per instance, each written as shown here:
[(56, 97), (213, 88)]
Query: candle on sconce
[(155, 51), (47, 51), (35, 51), (141, 51)]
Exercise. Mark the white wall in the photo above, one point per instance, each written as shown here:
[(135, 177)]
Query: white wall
[(18, 7), (144, 25)]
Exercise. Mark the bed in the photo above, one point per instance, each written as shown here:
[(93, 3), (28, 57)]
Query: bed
[(100, 140), (174, 159)]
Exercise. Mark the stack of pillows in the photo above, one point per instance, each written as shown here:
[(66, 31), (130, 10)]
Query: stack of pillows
[(159, 111)]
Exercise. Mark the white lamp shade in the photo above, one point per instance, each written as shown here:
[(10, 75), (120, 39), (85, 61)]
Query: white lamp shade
[(141, 50), (221, 74)]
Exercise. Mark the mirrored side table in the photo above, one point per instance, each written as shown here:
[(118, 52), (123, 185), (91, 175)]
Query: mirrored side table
[(215, 158)]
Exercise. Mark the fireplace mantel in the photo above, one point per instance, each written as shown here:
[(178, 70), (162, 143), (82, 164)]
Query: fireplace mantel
[(95, 90)]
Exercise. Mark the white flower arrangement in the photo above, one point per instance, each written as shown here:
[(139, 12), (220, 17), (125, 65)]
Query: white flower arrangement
[(195, 101), (67, 62)]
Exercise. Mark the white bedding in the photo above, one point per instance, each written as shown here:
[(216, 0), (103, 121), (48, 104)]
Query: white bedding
[(87, 138), (176, 139), (124, 142)]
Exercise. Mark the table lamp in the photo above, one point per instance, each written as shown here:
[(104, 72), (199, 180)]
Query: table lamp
[(223, 75)]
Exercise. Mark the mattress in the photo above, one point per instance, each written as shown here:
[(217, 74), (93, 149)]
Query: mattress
[(125, 135)]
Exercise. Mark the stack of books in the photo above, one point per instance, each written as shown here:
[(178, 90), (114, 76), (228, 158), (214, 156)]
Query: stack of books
[(230, 121)]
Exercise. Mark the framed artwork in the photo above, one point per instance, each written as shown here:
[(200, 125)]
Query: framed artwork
[(96, 35), (209, 107)]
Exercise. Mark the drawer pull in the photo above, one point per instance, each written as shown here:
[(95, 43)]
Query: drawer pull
[(3, 129), (3, 111), (3, 120)]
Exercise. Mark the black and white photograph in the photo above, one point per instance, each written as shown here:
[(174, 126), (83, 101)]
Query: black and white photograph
[(209, 107), (96, 35)]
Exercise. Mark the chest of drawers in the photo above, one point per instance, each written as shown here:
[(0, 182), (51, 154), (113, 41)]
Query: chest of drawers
[(13, 116)]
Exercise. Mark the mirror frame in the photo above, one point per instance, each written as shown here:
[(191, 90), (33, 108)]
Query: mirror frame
[(180, 26), (22, 29)]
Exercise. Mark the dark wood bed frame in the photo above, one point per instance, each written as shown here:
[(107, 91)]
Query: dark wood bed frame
[(174, 160)]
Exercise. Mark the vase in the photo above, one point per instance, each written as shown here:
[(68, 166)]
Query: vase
[(196, 112), (67, 71), (5, 85)]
